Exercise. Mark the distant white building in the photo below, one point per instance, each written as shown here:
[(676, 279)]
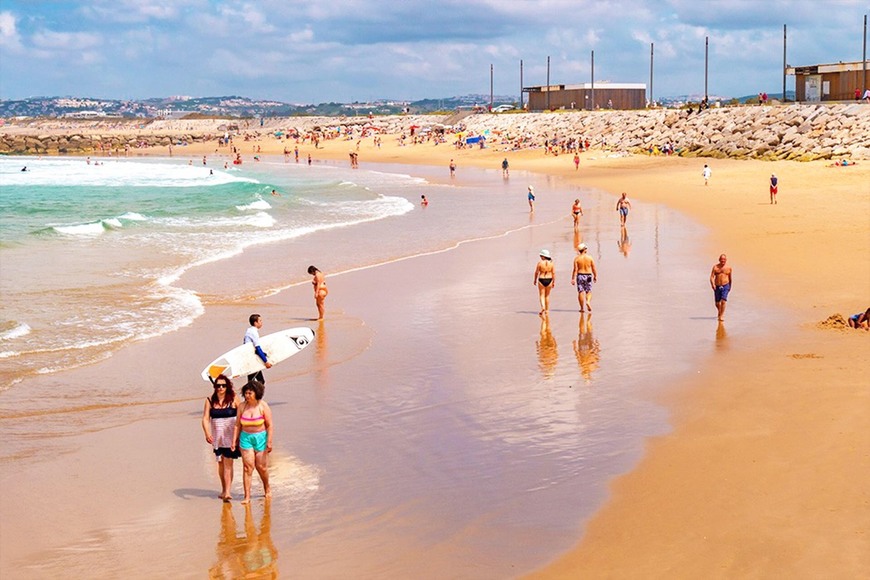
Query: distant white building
[(84, 115)]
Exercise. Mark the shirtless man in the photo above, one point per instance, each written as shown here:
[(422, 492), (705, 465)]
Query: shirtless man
[(576, 212), (622, 206), (720, 281), (583, 275)]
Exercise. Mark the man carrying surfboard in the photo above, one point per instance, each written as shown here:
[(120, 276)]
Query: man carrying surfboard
[(252, 335)]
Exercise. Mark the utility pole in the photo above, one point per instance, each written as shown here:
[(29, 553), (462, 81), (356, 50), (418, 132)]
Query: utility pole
[(548, 83), (784, 61), (864, 60), (593, 81), (490, 87), (706, 60), (521, 84), (651, 55)]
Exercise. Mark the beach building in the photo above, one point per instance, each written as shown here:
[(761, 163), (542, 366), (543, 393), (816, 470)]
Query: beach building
[(587, 96), (829, 82)]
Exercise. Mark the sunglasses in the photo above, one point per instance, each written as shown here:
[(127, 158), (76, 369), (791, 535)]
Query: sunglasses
[(220, 385)]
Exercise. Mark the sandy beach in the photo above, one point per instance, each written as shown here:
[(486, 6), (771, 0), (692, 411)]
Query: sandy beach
[(761, 473)]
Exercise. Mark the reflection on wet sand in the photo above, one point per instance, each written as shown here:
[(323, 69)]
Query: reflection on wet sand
[(252, 555), (577, 238), (721, 335), (321, 352), (624, 241), (546, 346), (586, 348)]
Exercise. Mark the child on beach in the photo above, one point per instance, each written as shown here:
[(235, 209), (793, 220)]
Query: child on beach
[(860, 320)]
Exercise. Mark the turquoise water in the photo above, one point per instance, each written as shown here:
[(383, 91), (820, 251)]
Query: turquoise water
[(91, 249)]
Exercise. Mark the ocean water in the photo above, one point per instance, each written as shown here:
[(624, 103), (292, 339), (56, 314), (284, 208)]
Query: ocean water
[(97, 253), (90, 253)]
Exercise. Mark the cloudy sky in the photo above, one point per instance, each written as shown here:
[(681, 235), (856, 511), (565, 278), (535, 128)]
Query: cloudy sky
[(311, 51)]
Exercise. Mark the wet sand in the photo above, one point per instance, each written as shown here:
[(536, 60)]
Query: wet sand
[(762, 473)]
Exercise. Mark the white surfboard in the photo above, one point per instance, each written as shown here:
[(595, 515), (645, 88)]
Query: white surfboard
[(242, 360)]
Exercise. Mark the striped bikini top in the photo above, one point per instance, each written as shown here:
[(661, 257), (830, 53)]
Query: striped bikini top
[(252, 421)]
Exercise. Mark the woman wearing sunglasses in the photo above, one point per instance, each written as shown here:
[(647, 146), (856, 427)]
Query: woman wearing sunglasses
[(219, 423)]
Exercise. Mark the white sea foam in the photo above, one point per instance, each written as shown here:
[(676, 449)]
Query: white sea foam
[(113, 223), (112, 173), (133, 217), (20, 329), (88, 229), (259, 204)]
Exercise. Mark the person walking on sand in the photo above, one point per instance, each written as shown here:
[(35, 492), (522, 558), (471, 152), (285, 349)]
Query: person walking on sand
[(576, 161), (622, 206), (583, 275), (720, 281), (545, 279), (253, 435), (706, 173), (531, 199), (218, 424), (774, 187), (252, 335), (576, 212), (505, 168), (452, 168), (320, 289)]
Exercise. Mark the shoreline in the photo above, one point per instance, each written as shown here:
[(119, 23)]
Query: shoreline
[(651, 525)]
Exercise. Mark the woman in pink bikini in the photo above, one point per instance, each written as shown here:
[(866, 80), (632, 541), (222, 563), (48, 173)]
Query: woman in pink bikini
[(254, 435)]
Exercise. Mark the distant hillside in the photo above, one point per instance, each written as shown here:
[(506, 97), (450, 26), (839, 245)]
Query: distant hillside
[(228, 106)]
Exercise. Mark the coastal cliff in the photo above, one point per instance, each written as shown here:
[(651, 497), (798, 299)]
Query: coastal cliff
[(789, 132)]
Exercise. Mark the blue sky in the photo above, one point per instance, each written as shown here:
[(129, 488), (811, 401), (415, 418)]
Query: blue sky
[(311, 51)]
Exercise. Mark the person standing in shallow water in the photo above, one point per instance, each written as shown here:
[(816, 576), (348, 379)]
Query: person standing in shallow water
[(622, 206), (545, 280), (531, 197), (720, 280), (320, 290)]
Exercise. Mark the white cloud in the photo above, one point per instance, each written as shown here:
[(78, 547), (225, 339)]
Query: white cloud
[(9, 38), (64, 42)]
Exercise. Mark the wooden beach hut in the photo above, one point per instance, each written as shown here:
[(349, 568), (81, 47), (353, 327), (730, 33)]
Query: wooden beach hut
[(587, 96), (828, 82)]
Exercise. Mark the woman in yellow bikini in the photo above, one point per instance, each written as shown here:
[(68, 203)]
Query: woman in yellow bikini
[(320, 289), (254, 435)]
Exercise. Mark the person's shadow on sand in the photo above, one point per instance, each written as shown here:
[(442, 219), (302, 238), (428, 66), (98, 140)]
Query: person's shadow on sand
[(186, 493)]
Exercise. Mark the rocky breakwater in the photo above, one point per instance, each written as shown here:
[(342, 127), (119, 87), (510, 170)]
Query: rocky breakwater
[(79, 143), (793, 132)]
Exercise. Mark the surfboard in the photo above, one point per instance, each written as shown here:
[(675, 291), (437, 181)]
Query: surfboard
[(243, 361)]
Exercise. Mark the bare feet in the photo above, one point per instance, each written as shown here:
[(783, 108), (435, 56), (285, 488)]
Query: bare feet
[(268, 493), (588, 307), (246, 501)]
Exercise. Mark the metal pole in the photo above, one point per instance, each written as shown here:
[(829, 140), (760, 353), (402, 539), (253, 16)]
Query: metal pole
[(548, 83), (490, 87), (706, 59), (864, 60), (651, 56), (521, 84), (593, 82), (784, 61)]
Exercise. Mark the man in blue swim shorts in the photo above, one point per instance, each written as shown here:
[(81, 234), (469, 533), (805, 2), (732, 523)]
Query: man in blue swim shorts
[(584, 274), (720, 281)]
